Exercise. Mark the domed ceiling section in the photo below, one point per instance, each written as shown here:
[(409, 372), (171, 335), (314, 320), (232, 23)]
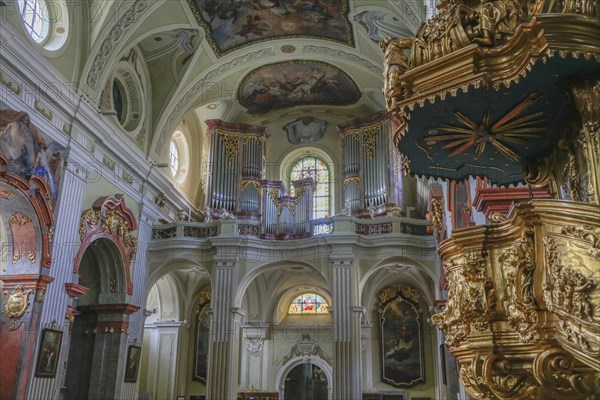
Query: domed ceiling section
[(260, 61), (237, 23)]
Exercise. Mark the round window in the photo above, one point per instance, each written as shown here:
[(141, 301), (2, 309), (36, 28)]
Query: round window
[(46, 22), (34, 14)]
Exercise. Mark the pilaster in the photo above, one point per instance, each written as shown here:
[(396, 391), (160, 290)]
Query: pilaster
[(223, 365), (57, 303), (139, 271), (347, 380)]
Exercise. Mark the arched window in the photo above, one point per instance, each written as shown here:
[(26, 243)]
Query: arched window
[(179, 157), (34, 14), (173, 158), (313, 167), (308, 303)]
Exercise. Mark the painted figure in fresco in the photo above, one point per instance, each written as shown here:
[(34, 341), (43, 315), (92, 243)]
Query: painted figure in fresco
[(252, 26), (26, 150)]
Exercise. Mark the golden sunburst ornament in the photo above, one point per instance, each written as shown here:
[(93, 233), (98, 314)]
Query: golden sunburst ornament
[(512, 128)]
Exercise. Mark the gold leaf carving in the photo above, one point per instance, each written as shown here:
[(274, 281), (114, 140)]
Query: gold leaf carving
[(230, 141), (471, 299), (518, 266), (16, 304)]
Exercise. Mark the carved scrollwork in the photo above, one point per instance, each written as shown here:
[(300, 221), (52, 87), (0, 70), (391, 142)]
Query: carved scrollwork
[(16, 304), (254, 344), (588, 234), (566, 289), (471, 377), (571, 293), (508, 379), (518, 266), (471, 299), (560, 377)]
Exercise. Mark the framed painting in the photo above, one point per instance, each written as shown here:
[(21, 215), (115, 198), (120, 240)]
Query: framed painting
[(401, 337), (202, 335), (49, 352), (133, 363)]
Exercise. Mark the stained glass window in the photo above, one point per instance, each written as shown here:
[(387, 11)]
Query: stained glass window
[(308, 303), (312, 167)]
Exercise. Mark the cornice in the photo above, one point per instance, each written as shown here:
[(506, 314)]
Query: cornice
[(40, 83)]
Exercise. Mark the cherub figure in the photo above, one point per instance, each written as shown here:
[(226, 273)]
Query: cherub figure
[(371, 210), (207, 214)]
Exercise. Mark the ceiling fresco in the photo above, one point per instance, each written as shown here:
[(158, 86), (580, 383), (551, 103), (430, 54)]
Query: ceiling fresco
[(295, 83), (233, 24)]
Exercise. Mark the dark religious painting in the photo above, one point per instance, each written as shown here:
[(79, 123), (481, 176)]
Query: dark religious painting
[(401, 337), (201, 339), (296, 83), (27, 151), (133, 363), (231, 24), (48, 354)]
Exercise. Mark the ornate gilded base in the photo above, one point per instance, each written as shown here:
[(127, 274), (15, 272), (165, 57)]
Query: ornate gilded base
[(523, 310)]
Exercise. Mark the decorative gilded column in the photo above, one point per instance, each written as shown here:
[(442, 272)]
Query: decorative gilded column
[(347, 379)]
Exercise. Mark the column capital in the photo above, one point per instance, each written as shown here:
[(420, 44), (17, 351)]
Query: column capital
[(230, 263), (342, 261), (238, 313), (172, 324), (358, 311)]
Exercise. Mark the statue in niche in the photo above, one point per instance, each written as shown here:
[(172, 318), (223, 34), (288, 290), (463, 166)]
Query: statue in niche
[(306, 130)]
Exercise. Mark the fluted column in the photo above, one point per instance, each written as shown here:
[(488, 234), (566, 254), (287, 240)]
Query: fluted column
[(139, 268), (56, 301), (347, 314), (223, 359)]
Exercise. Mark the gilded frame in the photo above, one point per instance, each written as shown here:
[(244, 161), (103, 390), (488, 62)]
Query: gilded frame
[(49, 353), (133, 363), (401, 345)]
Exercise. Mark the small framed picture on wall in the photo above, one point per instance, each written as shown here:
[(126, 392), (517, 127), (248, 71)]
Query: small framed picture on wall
[(133, 363), (48, 355)]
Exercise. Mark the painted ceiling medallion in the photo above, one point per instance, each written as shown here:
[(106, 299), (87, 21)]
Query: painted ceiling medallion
[(513, 128), (296, 83), (237, 23), (16, 304)]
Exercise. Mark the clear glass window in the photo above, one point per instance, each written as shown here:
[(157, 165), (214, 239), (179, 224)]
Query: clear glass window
[(173, 158), (34, 14)]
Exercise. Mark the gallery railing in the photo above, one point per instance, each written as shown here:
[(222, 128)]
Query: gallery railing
[(318, 227)]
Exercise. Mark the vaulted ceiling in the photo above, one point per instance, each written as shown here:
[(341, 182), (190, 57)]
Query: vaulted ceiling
[(253, 61)]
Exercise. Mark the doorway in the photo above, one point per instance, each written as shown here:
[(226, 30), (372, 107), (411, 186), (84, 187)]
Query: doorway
[(306, 382)]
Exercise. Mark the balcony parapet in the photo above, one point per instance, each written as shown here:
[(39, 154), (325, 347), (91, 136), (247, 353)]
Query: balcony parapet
[(318, 227), (523, 310), (196, 230)]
